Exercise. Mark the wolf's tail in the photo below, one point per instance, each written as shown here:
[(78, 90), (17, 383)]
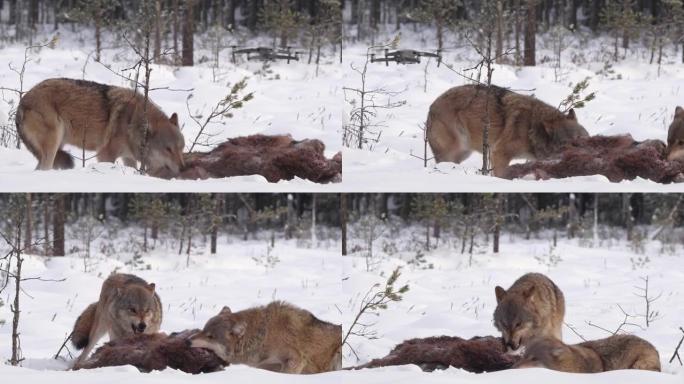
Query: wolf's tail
[(63, 160), (19, 122), (80, 337)]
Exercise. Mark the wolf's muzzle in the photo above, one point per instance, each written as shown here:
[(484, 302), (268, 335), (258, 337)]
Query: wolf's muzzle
[(139, 328)]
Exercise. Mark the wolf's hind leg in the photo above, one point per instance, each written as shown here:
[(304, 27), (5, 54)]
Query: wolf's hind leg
[(107, 155), (294, 363), (42, 137), (448, 141), (647, 363), (130, 162), (273, 363)]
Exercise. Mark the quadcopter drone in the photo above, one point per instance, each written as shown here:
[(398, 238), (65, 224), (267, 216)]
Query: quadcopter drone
[(267, 54), (406, 56)]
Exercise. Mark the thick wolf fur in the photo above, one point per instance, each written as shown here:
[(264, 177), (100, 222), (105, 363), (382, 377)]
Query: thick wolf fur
[(675, 136), (128, 306), (97, 117), (533, 306), (520, 126), (612, 353), (279, 337)]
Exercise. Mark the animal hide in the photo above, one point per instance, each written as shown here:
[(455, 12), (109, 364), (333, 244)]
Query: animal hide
[(615, 157), (274, 157), (156, 352), (479, 354)]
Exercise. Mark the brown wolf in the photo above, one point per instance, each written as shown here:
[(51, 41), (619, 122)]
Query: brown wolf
[(532, 306), (520, 126), (675, 136), (615, 352), (97, 117), (278, 337), (128, 305)]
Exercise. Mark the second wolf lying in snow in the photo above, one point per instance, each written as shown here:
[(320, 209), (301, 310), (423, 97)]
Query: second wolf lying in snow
[(127, 306), (612, 353), (278, 337)]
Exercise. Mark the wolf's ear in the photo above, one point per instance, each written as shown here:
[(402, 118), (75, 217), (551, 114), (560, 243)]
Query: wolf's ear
[(679, 111), (548, 127), (528, 292), (571, 114), (239, 329), (174, 119), (151, 287), (500, 293), (226, 310)]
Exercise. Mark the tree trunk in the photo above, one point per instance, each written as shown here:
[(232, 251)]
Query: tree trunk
[(344, 217), (573, 14), (12, 12), (595, 14), (498, 220), (218, 208), (375, 14), (58, 219), (314, 237), (55, 12), (231, 14), (98, 41), (46, 225), (33, 14), (354, 11), (188, 33), (517, 32), (530, 34), (176, 28), (253, 15), (28, 231), (498, 52), (157, 29)]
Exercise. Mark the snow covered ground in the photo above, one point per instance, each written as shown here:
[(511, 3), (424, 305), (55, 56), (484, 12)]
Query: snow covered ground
[(637, 98), (449, 297), (243, 274), (288, 99)]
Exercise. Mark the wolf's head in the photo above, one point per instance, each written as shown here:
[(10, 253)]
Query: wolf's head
[(221, 335), (165, 147), (564, 129), (547, 352), (136, 307), (514, 317), (675, 136)]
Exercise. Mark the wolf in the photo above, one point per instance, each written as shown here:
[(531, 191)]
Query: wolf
[(278, 337), (612, 353), (520, 126), (675, 136), (97, 117), (532, 306), (127, 306)]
